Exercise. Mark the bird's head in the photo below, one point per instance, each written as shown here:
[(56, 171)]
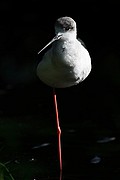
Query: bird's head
[(65, 28)]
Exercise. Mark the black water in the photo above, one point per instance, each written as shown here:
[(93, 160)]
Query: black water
[(28, 136), (29, 149)]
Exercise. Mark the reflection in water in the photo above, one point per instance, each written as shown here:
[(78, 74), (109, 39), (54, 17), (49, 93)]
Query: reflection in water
[(32, 159), (95, 160), (106, 139), (61, 175), (41, 145)]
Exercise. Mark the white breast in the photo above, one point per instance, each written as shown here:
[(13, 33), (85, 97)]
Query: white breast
[(66, 64)]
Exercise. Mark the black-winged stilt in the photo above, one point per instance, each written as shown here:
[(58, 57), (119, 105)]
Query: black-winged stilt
[(65, 64)]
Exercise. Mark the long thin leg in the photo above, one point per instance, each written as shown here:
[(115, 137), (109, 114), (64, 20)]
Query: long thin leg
[(58, 130)]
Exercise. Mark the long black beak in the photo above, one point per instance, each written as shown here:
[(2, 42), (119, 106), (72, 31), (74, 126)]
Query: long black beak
[(57, 37)]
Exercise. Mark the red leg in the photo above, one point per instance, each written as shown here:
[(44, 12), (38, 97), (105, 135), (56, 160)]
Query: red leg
[(58, 130)]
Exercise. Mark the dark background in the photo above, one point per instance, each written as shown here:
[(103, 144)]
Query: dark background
[(93, 106), (25, 27)]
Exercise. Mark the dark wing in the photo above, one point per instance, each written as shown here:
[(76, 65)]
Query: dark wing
[(82, 42)]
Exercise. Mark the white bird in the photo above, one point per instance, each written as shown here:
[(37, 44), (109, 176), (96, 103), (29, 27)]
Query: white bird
[(67, 62)]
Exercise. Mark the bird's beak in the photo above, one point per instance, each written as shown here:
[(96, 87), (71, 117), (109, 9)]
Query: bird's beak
[(57, 37)]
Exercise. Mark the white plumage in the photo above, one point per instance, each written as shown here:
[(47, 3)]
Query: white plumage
[(67, 62)]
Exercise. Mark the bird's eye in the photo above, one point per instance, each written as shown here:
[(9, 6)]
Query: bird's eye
[(66, 28)]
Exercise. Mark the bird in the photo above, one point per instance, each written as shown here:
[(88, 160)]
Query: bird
[(65, 64)]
